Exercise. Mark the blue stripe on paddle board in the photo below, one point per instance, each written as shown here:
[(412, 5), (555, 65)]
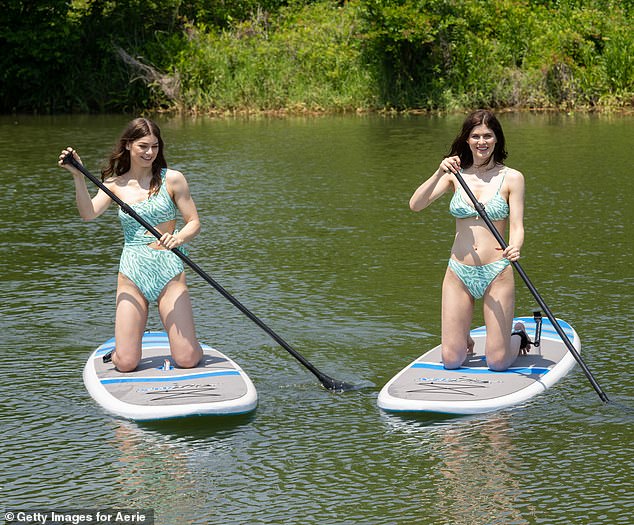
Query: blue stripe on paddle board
[(148, 340), (548, 330), (465, 370), (116, 380), (546, 334)]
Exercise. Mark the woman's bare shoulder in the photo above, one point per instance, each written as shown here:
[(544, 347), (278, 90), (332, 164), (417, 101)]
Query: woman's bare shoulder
[(512, 172), (112, 180), (513, 176), (174, 176)]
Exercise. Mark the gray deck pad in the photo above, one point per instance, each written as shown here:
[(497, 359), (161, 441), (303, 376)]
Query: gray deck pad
[(214, 379), (425, 385), (428, 379)]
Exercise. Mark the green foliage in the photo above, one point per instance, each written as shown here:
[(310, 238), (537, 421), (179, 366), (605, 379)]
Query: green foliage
[(401, 37), (298, 55), (222, 14), (503, 53), (33, 39), (306, 57)]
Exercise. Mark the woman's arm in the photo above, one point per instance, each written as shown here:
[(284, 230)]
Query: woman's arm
[(89, 208), (515, 181), (436, 185), (179, 189)]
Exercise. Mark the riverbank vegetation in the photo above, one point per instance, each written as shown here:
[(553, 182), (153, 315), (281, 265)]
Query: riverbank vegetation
[(313, 56)]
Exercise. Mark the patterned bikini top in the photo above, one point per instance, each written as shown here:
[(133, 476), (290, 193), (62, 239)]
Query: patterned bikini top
[(496, 207), (156, 209)]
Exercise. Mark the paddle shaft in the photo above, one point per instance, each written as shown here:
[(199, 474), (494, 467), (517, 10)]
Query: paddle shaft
[(482, 212), (325, 380)]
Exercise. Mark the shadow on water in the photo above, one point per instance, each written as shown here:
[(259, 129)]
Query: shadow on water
[(615, 405), (619, 409), (421, 419), (197, 427)]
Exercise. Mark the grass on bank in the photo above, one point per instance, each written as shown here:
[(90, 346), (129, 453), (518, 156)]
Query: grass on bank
[(328, 57), (316, 55)]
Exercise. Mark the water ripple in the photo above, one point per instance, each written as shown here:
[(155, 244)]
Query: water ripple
[(306, 222)]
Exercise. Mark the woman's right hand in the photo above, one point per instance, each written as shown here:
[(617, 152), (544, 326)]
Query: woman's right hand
[(450, 164), (89, 207), (66, 165)]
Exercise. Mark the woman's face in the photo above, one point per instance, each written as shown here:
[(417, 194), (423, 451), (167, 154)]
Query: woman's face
[(143, 151), (482, 142)]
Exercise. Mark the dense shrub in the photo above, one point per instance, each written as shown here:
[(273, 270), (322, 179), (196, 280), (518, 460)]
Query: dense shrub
[(304, 58), (320, 55)]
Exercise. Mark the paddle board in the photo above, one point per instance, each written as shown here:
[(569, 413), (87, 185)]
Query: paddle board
[(159, 390), (426, 386)]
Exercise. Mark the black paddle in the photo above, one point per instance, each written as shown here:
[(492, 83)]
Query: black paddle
[(480, 209), (328, 382)]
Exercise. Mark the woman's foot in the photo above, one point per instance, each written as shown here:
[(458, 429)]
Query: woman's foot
[(525, 343), (470, 346)]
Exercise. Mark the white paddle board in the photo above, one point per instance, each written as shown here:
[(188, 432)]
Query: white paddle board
[(159, 390), (426, 386)]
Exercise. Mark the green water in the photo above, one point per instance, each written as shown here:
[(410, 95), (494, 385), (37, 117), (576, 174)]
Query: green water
[(306, 222)]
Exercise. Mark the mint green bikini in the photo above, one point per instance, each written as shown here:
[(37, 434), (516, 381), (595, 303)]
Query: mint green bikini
[(496, 207), (148, 268), (478, 278)]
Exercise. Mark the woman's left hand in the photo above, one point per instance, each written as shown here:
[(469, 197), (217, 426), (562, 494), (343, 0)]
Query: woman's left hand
[(170, 241), (512, 253)]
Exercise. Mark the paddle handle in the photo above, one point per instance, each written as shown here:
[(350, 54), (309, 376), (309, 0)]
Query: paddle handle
[(328, 382), (479, 207)]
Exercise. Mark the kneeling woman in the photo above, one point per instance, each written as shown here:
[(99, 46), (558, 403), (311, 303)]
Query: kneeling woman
[(137, 173), (478, 268)]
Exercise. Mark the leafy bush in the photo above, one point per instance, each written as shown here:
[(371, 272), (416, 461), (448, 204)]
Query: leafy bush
[(304, 58), (315, 55)]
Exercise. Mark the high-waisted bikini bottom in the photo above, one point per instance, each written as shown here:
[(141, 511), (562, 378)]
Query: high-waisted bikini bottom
[(149, 269), (478, 278)]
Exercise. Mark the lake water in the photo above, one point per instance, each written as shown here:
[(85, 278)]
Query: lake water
[(305, 220)]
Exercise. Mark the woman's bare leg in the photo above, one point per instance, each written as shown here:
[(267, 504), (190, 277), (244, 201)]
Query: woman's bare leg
[(130, 321), (499, 305), (175, 309), (457, 314)]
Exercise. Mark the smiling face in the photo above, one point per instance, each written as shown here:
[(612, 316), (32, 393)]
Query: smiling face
[(144, 151), (482, 141)]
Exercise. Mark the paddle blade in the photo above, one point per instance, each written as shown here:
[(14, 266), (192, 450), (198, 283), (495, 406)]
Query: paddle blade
[(336, 386)]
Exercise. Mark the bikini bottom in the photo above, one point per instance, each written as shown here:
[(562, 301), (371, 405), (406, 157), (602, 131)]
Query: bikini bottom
[(478, 278), (149, 269)]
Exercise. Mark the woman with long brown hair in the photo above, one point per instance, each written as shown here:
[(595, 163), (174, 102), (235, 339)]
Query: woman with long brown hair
[(478, 267), (137, 173)]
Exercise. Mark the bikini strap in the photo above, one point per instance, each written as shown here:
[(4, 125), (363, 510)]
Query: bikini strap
[(164, 180), (503, 170)]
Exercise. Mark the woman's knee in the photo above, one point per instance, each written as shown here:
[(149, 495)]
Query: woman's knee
[(188, 358), (125, 361), (497, 365), (453, 358), (498, 360)]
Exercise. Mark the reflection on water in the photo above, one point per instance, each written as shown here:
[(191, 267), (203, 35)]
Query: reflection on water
[(475, 468), (147, 460), (305, 221), (478, 479)]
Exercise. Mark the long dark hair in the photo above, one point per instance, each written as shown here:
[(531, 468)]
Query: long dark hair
[(119, 161), (460, 146)]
